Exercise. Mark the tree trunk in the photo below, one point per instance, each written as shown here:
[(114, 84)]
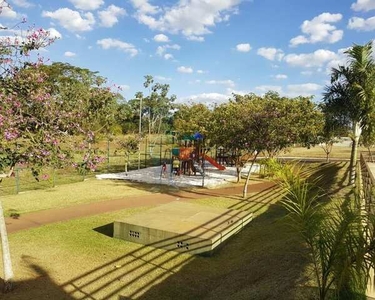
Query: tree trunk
[(238, 170), (354, 153), (7, 263), (244, 193)]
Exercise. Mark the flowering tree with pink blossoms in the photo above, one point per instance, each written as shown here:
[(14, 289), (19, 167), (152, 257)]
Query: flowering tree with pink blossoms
[(37, 126)]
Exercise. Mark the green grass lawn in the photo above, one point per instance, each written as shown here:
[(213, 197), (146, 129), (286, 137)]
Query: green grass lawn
[(91, 190), (70, 260), (317, 151), (75, 260)]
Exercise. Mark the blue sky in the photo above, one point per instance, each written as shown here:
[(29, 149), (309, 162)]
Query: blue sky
[(205, 49)]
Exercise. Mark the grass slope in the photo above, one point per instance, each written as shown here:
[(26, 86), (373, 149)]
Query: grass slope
[(72, 260)]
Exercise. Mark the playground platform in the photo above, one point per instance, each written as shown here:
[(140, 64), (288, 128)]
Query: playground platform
[(153, 175), (182, 227)]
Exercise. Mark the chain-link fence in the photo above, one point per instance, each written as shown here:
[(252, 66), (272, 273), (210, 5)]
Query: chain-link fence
[(154, 151)]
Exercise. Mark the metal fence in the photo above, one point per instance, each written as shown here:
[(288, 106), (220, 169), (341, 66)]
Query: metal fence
[(154, 151)]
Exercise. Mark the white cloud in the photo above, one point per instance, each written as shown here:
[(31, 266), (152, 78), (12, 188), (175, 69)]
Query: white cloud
[(117, 44), (183, 69), (308, 60), (340, 60), (267, 88), (168, 56), (206, 98), (124, 87), (228, 83), (69, 54), (201, 72), (162, 78), (292, 90), (8, 12), (22, 3), (306, 73), (361, 24), (87, 4), (192, 18), (305, 90), (53, 33), (71, 19), (243, 47), (143, 7), (161, 38), (281, 76), (110, 16), (195, 38), (162, 49), (363, 5), (271, 53), (319, 29)]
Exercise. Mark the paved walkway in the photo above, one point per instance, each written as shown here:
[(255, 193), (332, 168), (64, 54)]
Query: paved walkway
[(39, 218)]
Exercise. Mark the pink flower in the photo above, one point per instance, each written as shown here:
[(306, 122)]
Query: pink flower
[(45, 177)]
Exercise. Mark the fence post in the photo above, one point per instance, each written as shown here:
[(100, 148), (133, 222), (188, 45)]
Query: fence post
[(161, 146), (17, 180), (146, 152)]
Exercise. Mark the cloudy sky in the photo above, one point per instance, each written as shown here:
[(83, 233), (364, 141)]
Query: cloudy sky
[(205, 49)]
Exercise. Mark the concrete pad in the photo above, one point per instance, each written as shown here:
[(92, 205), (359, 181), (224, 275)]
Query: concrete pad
[(182, 226)]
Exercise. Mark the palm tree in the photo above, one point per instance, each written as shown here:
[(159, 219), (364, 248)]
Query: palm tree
[(351, 95), (339, 238)]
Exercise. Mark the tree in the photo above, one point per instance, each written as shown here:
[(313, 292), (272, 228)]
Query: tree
[(330, 131), (36, 124), (85, 90), (252, 124), (155, 107), (128, 146), (192, 118), (227, 130), (125, 117), (338, 236), (351, 95)]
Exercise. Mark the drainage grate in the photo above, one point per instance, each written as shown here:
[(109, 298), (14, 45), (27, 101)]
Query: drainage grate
[(183, 245), (134, 234)]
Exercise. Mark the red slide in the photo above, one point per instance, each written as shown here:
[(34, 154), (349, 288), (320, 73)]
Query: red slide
[(213, 162)]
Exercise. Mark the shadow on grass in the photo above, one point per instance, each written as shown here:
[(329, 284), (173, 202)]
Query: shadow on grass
[(266, 260), (41, 287), (229, 192), (105, 229), (259, 262)]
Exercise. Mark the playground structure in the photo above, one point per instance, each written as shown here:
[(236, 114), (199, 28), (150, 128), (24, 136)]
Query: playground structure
[(224, 157), (192, 154)]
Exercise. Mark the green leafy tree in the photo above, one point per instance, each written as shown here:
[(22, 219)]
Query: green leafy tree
[(192, 118), (85, 90), (128, 146), (351, 95), (252, 124), (155, 107), (331, 131), (37, 124), (126, 118)]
